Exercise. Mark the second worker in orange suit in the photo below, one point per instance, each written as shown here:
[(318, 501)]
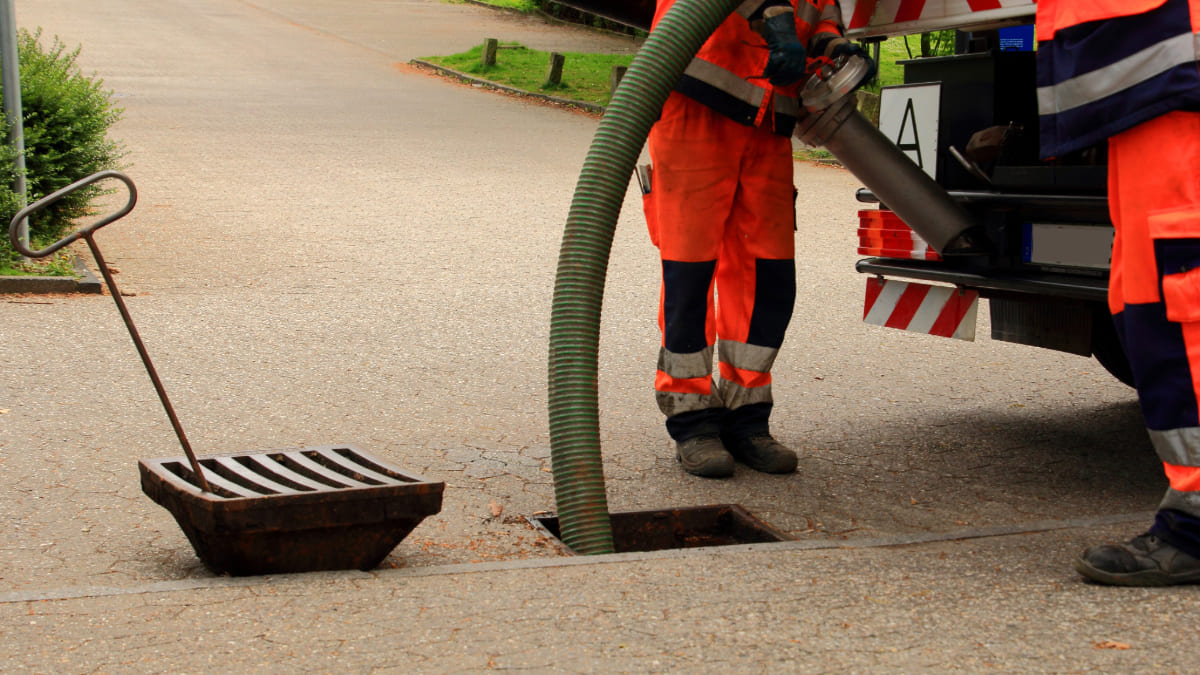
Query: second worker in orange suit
[(1127, 74), (721, 211)]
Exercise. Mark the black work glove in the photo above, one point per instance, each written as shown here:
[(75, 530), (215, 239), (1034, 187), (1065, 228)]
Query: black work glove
[(855, 49), (787, 62)]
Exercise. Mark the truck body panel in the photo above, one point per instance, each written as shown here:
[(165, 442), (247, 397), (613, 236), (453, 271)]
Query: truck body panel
[(1046, 277), (881, 18), (864, 18)]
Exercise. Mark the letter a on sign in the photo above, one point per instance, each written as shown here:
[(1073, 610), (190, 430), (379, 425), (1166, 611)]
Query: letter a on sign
[(909, 115), (909, 140)]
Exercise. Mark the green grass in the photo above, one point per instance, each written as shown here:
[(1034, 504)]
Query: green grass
[(59, 264), (891, 52), (585, 76), (520, 5)]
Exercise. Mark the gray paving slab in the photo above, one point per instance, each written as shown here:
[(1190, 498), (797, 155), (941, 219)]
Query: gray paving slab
[(332, 247), (953, 606)]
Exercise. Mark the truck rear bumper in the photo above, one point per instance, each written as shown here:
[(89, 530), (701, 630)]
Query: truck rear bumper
[(994, 284)]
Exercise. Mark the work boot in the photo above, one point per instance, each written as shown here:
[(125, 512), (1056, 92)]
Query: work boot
[(1145, 560), (704, 456), (762, 452)]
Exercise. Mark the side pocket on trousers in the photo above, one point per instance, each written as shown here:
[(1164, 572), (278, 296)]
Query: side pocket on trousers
[(1176, 237), (1181, 295)]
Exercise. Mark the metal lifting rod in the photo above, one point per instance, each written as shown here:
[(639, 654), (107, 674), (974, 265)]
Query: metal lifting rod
[(18, 234)]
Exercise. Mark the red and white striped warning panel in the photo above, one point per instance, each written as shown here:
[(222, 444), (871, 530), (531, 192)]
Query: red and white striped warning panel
[(901, 17), (932, 310), (882, 233)]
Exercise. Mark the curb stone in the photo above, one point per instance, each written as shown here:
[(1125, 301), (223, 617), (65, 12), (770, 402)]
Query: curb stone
[(590, 107), (549, 18), (85, 282)]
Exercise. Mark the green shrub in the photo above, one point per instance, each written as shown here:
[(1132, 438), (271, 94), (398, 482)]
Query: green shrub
[(66, 120)]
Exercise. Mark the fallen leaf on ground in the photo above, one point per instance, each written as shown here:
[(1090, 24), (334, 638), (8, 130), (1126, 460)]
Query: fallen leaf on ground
[(1111, 644)]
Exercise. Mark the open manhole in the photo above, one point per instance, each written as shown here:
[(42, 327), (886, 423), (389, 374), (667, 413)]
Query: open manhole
[(688, 527)]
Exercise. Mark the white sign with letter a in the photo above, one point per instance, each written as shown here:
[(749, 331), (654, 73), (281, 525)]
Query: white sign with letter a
[(909, 116)]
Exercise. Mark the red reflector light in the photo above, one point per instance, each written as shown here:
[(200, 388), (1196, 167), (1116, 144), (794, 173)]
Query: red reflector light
[(882, 233)]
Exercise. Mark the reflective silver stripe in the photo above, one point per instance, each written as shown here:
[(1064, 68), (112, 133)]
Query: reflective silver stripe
[(1127, 72), (832, 12), (749, 7), (1188, 502), (672, 403), (747, 357), (786, 105), (1180, 447), (809, 14), (729, 82), (726, 81), (685, 366), (736, 396)]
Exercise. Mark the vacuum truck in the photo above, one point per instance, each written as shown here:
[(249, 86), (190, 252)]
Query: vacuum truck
[(1036, 238)]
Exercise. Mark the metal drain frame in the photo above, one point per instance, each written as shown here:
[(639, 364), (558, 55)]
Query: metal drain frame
[(668, 529), (291, 510)]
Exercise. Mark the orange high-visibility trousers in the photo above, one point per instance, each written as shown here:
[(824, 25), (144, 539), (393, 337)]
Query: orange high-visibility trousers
[(721, 212), (1154, 287)]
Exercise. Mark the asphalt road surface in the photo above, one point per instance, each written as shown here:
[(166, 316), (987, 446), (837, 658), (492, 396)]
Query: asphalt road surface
[(332, 246)]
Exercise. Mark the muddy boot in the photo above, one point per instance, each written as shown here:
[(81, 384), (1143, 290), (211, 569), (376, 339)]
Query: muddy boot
[(763, 453), (1146, 560), (704, 456)]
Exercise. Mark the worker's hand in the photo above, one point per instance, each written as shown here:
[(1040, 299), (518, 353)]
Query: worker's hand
[(855, 49), (787, 62)]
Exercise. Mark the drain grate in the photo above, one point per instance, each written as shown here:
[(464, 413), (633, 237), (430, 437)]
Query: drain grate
[(286, 472), (688, 527), (294, 510)]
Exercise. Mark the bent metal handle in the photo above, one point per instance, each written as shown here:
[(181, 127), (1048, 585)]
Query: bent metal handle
[(18, 230), (18, 234)]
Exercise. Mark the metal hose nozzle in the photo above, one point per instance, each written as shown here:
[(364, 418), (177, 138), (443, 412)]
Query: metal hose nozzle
[(833, 121)]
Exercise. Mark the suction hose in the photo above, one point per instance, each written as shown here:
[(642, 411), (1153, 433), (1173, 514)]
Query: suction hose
[(584, 523)]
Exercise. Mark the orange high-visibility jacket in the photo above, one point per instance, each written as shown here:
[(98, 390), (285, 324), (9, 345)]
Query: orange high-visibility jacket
[(1105, 66), (726, 74)]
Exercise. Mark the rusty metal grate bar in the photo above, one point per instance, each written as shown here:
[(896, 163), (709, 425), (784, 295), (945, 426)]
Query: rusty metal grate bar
[(287, 472)]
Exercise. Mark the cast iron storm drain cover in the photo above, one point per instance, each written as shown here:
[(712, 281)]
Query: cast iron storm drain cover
[(295, 510)]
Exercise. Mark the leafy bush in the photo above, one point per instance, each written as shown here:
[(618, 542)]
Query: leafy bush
[(66, 120)]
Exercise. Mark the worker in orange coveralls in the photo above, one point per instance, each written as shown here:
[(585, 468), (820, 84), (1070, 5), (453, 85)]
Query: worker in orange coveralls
[(1126, 71), (721, 211)]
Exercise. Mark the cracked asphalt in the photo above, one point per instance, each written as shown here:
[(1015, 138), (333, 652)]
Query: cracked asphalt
[(332, 246)]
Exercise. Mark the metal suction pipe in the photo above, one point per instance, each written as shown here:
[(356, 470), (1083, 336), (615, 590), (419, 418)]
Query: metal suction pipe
[(833, 121)]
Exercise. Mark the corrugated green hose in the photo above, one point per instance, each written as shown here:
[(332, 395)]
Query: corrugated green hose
[(583, 263)]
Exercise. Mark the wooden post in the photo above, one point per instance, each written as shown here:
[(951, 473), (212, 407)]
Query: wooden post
[(554, 76), (614, 78), (489, 52)]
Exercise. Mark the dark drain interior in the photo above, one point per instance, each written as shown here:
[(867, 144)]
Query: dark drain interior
[(689, 527)]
